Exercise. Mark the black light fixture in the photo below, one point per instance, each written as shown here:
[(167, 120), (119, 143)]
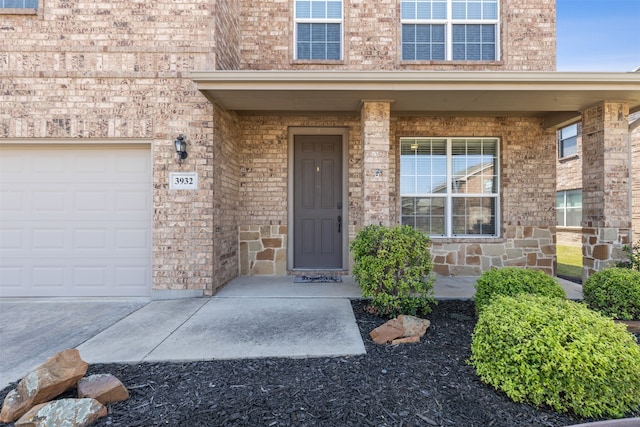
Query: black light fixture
[(181, 148)]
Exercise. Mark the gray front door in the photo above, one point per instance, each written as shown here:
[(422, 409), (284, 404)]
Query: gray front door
[(318, 222)]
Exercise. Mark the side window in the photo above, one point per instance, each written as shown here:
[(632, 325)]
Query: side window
[(450, 30), (318, 29), (569, 208), (568, 141), (18, 4)]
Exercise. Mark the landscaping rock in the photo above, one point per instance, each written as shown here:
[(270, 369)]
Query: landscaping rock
[(389, 331), (52, 378), (63, 412), (105, 388), (403, 326), (633, 326), (413, 326)]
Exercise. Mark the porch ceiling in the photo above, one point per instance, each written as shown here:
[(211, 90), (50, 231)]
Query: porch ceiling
[(558, 97)]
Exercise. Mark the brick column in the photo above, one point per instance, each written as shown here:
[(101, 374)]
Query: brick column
[(375, 116), (606, 213)]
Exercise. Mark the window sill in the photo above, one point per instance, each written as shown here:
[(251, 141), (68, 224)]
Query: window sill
[(18, 11), (317, 61), (467, 239), (452, 62), (568, 158)]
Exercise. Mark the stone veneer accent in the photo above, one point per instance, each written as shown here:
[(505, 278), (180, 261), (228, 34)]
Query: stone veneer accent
[(263, 250), (528, 247), (606, 209)]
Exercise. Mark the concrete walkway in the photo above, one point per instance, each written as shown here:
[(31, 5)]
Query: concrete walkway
[(250, 317)]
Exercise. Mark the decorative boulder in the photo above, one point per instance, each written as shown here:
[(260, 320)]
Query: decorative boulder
[(105, 388), (63, 412), (58, 374)]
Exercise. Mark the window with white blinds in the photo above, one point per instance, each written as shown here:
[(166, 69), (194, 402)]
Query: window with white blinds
[(449, 186)]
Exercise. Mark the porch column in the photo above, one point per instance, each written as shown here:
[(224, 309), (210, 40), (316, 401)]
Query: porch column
[(375, 116), (606, 191)]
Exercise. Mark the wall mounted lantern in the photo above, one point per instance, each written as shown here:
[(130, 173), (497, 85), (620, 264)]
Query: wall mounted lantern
[(181, 148)]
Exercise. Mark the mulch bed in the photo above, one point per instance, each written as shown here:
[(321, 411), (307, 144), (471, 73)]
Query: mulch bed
[(424, 384)]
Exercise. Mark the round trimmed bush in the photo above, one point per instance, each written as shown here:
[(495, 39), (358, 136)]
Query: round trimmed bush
[(559, 353), (614, 292), (392, 266), (512, 281)]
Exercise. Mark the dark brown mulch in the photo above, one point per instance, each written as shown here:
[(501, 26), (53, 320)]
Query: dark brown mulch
[(425, 384)]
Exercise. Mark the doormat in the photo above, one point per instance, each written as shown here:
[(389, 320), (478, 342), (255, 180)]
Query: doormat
[(318, 278)]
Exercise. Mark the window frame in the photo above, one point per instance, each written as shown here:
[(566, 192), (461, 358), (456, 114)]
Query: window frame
[(297, 21), (449, 22), (449, 195), (562, 141), (565, 208), (23, 10)]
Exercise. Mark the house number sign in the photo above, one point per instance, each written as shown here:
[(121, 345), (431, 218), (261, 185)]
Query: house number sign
[(183, 181)]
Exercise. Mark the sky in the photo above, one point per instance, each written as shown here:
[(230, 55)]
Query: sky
[(598, 35)]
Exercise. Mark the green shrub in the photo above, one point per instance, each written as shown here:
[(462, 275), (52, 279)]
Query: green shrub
[(555, 352), (633, 253), (392, 267), (511, 281), (614, 292)]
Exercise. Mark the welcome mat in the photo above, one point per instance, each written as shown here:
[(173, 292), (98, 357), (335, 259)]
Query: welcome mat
[(318, 278)]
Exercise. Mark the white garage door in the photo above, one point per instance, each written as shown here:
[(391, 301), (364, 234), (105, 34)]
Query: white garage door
[(75, 221)]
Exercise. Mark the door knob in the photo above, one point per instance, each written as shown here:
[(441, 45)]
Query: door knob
[(339, 223)]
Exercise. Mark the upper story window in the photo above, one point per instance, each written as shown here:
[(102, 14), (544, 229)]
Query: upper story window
[(449, 186), (18, 4), (568, 141), (318, 28), (450, 30)]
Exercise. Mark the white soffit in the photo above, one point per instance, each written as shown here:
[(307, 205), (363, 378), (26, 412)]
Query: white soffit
[(441, 92)]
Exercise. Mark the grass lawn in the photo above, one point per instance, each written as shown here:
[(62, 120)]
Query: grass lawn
[(569, 260)]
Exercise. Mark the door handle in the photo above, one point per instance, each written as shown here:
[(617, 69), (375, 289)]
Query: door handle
[(339, 223)]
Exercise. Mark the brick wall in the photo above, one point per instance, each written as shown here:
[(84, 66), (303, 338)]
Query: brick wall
[(527, 178), (106, 71), (372, 38), (606, 185)]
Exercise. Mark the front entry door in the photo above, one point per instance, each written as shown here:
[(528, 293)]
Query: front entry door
[(318, 221)]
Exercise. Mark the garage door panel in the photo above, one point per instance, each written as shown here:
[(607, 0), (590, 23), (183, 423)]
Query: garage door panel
[(75, 222)]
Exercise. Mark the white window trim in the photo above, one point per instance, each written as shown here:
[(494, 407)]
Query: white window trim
[(448, 30), (297, 21), (565, 208), (449, 196)]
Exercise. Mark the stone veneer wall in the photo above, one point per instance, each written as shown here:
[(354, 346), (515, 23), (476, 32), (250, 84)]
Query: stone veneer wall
[(606, 207), (118, 71), (263, 250), (372, 33)]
